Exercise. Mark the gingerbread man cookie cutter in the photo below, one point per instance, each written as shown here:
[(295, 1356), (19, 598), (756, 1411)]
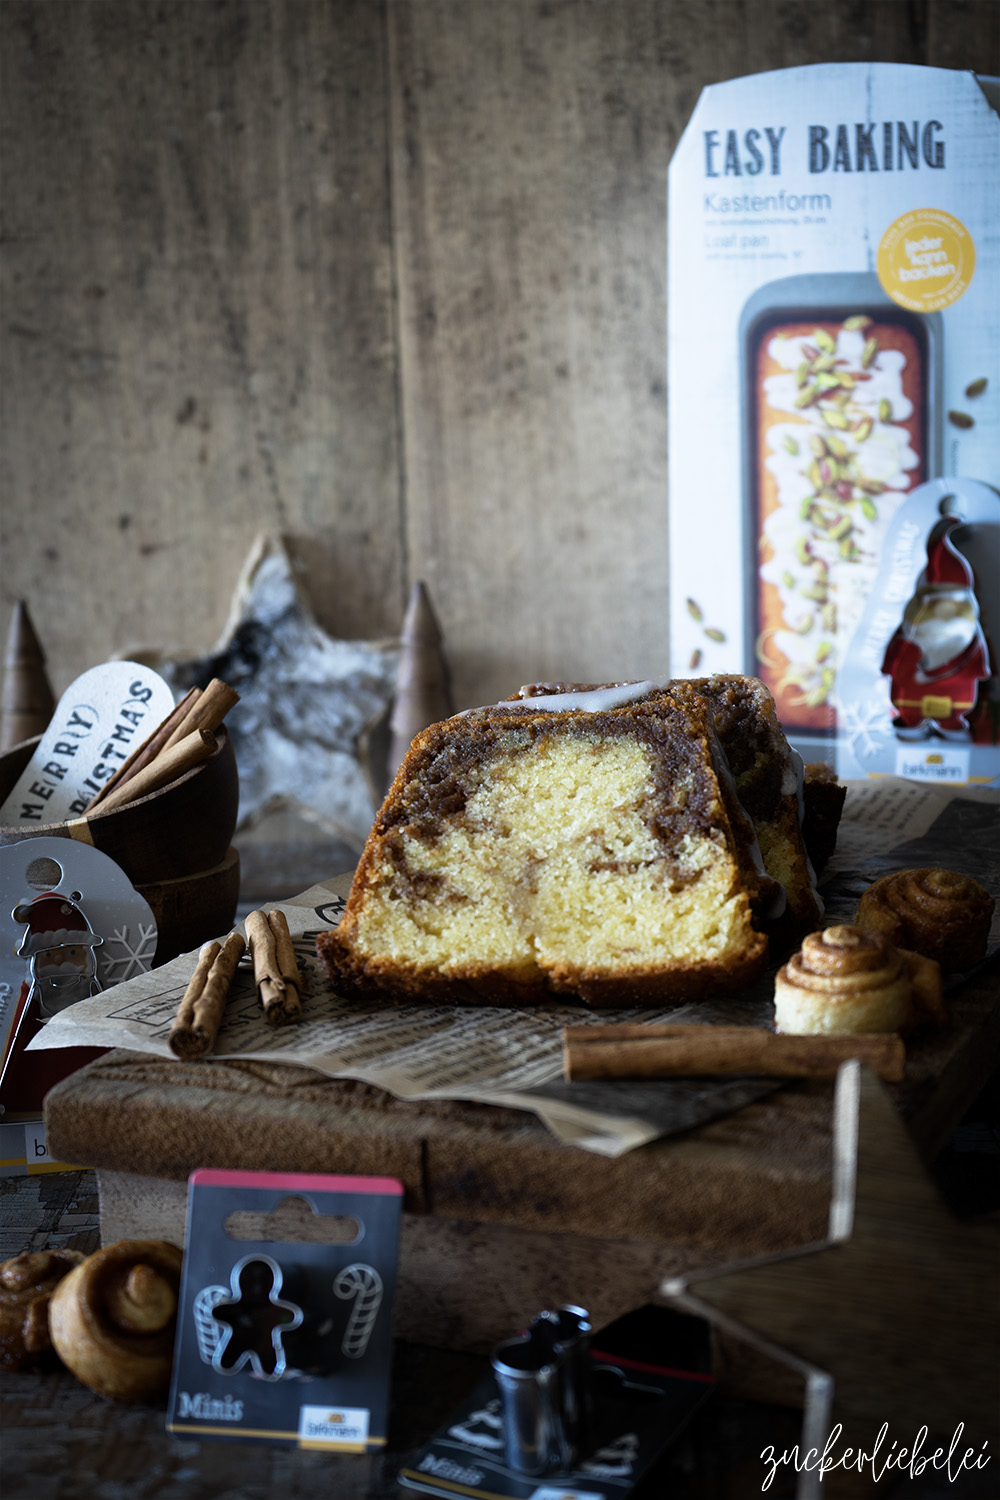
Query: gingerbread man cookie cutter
[(243, 1326)]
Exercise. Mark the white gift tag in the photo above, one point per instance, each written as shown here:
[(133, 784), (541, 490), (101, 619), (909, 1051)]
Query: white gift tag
[(100, 719)]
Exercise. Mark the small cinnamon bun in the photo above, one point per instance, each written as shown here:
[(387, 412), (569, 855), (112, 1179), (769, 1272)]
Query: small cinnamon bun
[(844, 981), (939, 913), (27, 1282), (113, 1318)]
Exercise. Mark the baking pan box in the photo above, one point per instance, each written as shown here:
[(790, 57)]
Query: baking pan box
[(834, 378)]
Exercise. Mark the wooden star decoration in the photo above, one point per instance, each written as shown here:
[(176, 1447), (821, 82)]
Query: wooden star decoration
[(893, 1319), (309, 703)]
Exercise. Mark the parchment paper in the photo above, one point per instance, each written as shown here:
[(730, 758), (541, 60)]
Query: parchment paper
[(511, 1057)]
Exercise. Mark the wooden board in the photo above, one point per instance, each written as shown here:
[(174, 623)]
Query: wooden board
[(499, 1214), (755, 1180)]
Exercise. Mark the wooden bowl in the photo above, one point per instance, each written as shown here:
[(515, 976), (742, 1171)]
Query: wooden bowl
[(184, 828), (195, 908)]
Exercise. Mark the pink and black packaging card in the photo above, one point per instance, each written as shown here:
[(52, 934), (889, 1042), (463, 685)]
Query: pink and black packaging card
[(284, 1329)]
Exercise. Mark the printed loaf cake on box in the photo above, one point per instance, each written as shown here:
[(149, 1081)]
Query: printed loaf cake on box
[(585, 844)]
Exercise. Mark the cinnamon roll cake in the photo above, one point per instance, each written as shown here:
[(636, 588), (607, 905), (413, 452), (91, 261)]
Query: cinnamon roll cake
[(940, 913), (845, 981)]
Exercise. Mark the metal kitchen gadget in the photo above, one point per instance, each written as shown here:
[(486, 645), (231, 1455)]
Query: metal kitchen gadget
[(566, 1413), (543, 1376)]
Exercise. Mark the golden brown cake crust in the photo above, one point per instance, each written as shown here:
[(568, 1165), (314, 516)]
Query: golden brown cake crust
[(479, 985), (769, 783)]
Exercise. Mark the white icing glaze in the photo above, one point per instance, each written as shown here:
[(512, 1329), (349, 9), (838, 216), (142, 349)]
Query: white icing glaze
[(591, 700), (792, 778)]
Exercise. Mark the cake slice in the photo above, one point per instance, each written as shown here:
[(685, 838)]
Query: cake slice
[(823, 798), (769, 783), (591, 849)]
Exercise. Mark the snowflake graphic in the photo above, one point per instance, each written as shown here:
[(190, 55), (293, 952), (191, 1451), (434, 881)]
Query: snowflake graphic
[(135, 957), (867, 724)]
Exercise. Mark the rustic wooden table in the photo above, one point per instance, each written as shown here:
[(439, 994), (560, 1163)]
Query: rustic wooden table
[(61, 1442)]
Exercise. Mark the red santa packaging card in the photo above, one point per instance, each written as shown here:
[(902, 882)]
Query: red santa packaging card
[(938, 656), (918, 693)]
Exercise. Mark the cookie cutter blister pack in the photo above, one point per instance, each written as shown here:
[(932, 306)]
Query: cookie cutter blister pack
[(567, 1412), (287, 1339)]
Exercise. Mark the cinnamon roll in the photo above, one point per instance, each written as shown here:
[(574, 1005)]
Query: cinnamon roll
[(939, 913), (27, 1282), (846, 980), (113, 1318)]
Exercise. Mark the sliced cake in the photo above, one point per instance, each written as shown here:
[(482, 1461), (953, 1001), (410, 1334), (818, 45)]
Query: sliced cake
[(590, 848)]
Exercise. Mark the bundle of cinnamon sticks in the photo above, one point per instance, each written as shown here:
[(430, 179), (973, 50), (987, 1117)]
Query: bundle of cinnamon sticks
[(639, 1050), (276, 975), (184, 739)]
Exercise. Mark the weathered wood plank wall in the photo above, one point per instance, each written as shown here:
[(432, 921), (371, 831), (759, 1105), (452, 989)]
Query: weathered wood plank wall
[(385, 275)]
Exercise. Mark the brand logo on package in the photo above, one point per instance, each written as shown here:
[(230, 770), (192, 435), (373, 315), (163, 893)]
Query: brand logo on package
[(333, 1426), (933, 765), (548, 1492)]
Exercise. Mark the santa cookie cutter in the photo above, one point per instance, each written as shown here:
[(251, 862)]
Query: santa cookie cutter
[(71, 925), (919, 659), (59, 945), (938, 655)]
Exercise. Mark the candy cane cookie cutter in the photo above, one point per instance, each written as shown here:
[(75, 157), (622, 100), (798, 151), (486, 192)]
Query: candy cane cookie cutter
[(364, 1285), (216, 1332)]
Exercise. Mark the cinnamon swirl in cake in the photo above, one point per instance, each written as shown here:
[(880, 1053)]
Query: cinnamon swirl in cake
[(768, 777)]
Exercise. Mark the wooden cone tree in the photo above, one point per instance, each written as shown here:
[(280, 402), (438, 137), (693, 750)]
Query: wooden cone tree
[(423, 681), (27, 702)]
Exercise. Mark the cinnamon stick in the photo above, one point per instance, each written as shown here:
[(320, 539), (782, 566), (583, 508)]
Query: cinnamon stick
[(166, 767), (630, 1050), (200, 1012), (207, 712), (275, 967), (148, 750)]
